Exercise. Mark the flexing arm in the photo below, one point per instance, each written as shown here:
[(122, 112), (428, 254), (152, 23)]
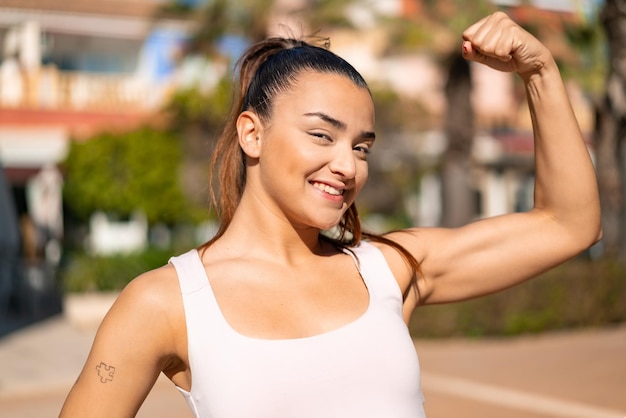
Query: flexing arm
[(132, 346), (496, 253)]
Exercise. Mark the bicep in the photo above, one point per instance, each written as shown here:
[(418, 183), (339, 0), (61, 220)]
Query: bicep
[(486, 256), (126, 358)]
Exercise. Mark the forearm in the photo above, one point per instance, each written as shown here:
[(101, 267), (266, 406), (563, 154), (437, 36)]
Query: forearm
[(565, 185)]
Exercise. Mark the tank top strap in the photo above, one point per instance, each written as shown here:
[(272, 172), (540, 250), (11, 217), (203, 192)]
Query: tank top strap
[(375, 271), (191, 274)]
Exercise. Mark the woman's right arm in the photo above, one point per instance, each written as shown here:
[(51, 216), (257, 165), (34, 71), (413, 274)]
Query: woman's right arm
[(134, 343)]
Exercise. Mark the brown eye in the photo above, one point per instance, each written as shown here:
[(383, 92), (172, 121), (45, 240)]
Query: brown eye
[(362, 148), (321, 136)]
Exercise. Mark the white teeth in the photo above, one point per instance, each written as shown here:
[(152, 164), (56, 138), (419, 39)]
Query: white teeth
[(330, 190)]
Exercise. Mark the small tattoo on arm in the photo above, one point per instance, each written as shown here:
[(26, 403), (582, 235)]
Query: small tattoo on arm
[(105, 372)]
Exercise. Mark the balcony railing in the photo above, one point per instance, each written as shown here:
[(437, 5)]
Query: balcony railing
[(49, 88)]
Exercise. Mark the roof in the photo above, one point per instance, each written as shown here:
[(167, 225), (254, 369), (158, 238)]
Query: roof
[(129, 8), (79, 124), (126, 19)]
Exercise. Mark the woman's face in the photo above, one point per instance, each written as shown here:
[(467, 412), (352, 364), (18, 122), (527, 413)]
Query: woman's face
[(313, 158)]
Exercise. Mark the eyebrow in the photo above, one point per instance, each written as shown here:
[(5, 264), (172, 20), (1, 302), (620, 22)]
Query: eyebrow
[(339, 124)]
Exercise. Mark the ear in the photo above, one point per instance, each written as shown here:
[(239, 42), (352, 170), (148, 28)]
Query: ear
[(249, 129)]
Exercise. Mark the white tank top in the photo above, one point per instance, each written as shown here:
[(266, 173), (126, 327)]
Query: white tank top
[(365, 369)]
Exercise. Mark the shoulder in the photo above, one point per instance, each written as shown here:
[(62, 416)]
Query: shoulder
[(392, 245), (398, 247), (155, 290), (150, 309)]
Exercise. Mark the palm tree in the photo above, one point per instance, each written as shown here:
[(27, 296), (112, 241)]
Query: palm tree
[(453, 16), (459, 127), (611, 132)]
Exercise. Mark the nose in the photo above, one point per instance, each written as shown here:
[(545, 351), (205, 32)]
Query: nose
[(344, 162)]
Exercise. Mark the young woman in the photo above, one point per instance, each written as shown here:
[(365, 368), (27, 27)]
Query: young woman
[(272, 318)]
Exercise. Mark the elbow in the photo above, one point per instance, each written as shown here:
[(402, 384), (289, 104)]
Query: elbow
[(592, 236), (582, 241), (582, 235)]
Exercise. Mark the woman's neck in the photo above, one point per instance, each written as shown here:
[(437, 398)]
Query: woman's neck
[(268, 236)]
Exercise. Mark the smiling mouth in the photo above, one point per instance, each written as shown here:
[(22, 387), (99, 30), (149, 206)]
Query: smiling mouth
[(328, 189)]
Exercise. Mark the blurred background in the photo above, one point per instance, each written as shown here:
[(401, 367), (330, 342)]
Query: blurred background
[(109, 111)]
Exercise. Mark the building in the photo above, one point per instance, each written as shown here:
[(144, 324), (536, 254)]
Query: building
[(69, 69)]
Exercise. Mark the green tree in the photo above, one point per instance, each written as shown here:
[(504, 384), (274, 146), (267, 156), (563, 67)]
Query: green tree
[(122, 173)]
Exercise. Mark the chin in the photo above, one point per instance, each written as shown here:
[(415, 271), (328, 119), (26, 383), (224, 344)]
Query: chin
[(329, 225)]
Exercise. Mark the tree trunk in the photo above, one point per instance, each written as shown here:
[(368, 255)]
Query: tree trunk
[(611, 133), (458, 197)]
